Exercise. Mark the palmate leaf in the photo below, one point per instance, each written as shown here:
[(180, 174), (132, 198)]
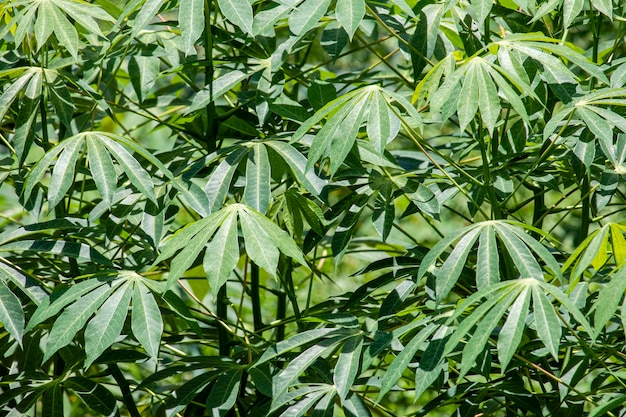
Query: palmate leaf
[(344, 117), (11, 313), (105, 327), (106, 146), (350, 13), (222, 254), (594, 251), (263, 239), (146, 320), (347, 366), (517, 244), (74, 318), (257, 192), (306, 15)]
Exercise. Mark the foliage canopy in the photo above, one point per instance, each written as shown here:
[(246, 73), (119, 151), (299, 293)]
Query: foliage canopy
[(312, 207)]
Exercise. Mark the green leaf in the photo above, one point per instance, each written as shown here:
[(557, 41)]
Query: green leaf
[(296, 341), (79, 251), (258, 191), (609, 299), (149, 9), (349, 14), (102, 170), (304, 360), (451, 269), (60, 97), (138, 176), (547, 322), (604, 6), (320, 93), (345, 229), (143, 71), (222, 254), (523, 259), (481, 9), (146, 321), (63, 173), (378, 123), (52, 401), (571, 10), (401, 362), (218, 185), (62, 297), (9, 95), (511, 332), (467, 109), (218, 87), (297, 162), (11, 313), (306, 15), (487, 264), (74, 318), (608, 404), (347, 367), (64, 31), (191, 20), (106, 326), (225, 392), (488, 100), (259, 245), (95, 395), (345, 135), (239, 12), (279, 237), (478, 342)]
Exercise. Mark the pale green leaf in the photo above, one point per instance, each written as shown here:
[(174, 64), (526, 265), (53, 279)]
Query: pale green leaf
[(511, 332), (378, 123), (222, 254), (345, 135), (44, 26), (146, 320), (258, 190), (138, 176), (523, 259), (239, 12), (451, 269), (347, 367), (609, 299), (218, 185), (604, 6), (306, 15), (488, 100), (546, 321), (350, 13), (278, 236), (63, 173), (571, 10), (401, 362), (62, 297), (11, 313), (105, 327), (466, 109), (479, 340), (259, 245), (481, 9), (11, 93), (74, 318), (149, 9), (218, 87), (191, 20), (297, 162), (487, 264), (65, 31), (102, 169)]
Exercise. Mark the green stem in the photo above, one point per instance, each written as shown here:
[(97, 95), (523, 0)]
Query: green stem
[(223, 336), (255, 298)]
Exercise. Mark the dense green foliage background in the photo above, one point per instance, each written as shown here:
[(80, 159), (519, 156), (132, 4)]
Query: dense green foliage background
[(312, 207)]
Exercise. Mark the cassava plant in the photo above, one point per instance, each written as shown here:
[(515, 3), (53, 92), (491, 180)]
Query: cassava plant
[(312, 208)]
